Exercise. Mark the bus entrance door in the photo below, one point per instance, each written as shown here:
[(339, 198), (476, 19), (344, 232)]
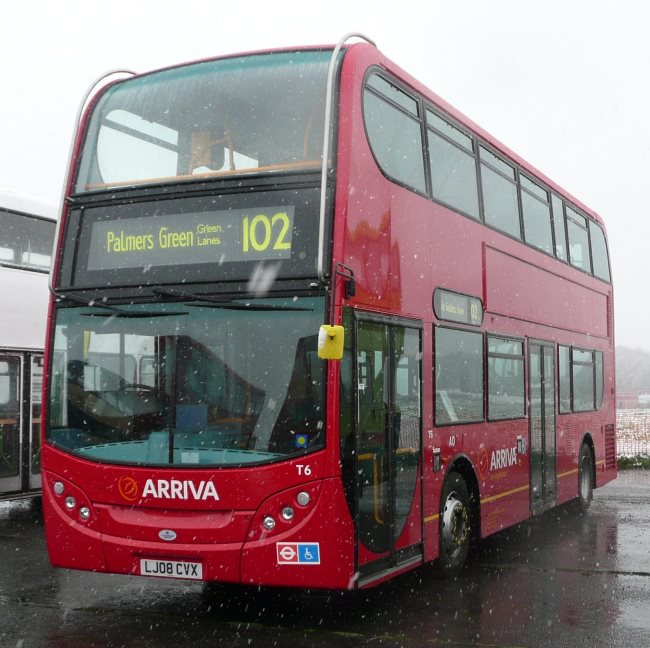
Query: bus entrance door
[(542, 426), (388, 422), (10, 422), (33, 460), (20, 403)]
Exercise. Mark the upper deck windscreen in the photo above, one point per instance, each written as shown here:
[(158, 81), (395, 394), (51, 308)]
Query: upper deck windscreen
[(253, 113)]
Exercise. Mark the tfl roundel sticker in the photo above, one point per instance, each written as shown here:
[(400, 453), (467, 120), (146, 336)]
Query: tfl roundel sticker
[(298, 553)]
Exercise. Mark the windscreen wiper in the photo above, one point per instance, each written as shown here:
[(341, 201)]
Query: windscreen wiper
[(114, 311), (223, 302)]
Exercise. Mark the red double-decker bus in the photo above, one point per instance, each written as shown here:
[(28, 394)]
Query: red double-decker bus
[(312, 327)]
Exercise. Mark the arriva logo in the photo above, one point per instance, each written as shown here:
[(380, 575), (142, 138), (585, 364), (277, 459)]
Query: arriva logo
[(503, 458), (167, 489), (128, 488), (177, 489)]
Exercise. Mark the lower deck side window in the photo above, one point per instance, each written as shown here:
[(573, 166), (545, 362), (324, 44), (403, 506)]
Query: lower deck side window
[(581, 379), (506, 395), (459, 376)]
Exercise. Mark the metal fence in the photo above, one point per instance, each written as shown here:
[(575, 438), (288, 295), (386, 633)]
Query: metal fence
[(633, 433)]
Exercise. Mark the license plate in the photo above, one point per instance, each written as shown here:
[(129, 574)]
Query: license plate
[(171, 568)]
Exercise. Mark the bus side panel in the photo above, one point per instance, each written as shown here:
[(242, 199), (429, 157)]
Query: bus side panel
[(572, 431)]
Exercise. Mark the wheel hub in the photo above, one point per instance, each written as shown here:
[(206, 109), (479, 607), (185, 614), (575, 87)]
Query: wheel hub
[(455, 523)]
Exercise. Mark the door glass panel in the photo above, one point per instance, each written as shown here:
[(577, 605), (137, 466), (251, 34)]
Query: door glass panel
[(37, 384), (536, 441), (542, 427), (388, 373), (406, 420), (9, 416), (549, 423), (373, 470)]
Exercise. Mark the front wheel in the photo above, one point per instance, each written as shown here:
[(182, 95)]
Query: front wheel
[(455, 525), (585, 478)]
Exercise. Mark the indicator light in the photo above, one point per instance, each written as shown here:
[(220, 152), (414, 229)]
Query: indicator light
[(303, 498), (268, 523), (84, 513), (70, 503), (287, 513), (58, 488)]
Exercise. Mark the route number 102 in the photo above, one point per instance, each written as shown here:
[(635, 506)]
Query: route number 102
[(262, 233)]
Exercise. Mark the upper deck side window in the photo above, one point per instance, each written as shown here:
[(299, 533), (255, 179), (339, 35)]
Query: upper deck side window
[(599, 254), (578, 238), (452, 164), (507, 198), (393, 125), (256, 113), (536, 210), (559, 228), (25, 241), (500, 201), (512, 201)]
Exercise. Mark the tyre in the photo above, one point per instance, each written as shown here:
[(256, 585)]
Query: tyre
[(585, 479), (456, 525)]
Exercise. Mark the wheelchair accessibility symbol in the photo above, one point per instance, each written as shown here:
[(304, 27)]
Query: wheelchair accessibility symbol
[(298, 553)]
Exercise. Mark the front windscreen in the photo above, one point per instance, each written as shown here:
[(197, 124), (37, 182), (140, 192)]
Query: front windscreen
[(193, 382), (258, 113)]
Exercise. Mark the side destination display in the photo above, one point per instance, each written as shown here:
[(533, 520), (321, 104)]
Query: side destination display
[(205, 237), (456, 307)]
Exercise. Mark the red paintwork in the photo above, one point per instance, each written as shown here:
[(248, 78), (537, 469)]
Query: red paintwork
[(401, 246), (226, 535)]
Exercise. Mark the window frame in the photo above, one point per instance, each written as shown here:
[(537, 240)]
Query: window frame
[(597, 364), (592, 226), (514, 180), (30, 224), (581, 226), (525, 191), (471, 153), (506, 356), (458, 329), (418, 118), (575, 364), (559, 223)]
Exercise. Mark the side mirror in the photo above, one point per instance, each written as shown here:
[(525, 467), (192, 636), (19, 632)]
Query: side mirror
[(330, 342)]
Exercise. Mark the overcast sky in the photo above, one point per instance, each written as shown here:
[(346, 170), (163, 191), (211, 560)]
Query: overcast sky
[(564, 83)]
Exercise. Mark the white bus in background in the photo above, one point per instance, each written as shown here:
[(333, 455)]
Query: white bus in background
[(27, 230)]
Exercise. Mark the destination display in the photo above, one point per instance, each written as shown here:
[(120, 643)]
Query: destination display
[(456, 307), (192, 238), (204, 237)]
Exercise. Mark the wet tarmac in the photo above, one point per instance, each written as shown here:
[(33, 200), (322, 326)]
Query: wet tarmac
[(558, 580)]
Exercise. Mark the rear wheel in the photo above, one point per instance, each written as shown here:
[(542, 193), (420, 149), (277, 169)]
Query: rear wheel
[(585, 478), (456, 530)]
